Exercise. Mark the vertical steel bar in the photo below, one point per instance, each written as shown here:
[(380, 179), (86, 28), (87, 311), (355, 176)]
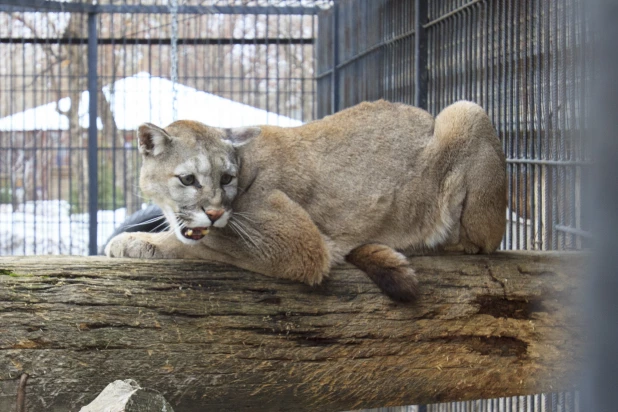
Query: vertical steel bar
[(549, 136), (516, 101), (524, 40), (60, 163), (314, 105), (420, 54), (578, 114), (266, 64), (290, 52), (24, 180), (33, 156), (12, 152), (475, 48), (448, 62), (92, 132), (557, 109), (302, 73), (335, 75), (536, 146), (114, 137)]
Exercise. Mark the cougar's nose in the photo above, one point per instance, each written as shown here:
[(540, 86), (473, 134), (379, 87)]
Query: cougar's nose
[(214, 214)]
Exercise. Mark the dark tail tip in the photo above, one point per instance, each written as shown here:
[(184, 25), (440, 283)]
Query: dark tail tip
[(399, 285), (388, 269)]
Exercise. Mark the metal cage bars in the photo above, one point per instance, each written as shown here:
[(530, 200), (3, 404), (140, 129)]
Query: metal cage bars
[(281, 31), (521, 60)]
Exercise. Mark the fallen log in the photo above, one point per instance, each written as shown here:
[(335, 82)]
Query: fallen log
[(216, 338)]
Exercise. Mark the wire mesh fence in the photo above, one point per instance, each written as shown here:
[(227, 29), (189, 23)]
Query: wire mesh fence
[(69, 164), (559, 402), (523, 61), (219, 62)]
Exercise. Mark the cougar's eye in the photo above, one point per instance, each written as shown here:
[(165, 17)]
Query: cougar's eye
[(187, 180), (226, 179)]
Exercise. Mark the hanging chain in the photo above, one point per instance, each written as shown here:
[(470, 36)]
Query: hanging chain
[(174, 38)]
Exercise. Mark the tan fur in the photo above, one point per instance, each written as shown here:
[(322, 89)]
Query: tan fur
[(387, 268), (378, 174)]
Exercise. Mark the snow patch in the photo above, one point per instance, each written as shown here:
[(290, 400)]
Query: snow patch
[(145, 98), (47, 227)]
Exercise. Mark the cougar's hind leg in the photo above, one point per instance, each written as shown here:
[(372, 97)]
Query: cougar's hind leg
[(464, 131), (388, 269), (483, 222)]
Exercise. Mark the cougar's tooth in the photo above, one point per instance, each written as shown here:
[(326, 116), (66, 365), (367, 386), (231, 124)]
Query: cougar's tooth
[(189, 232), (204, 232)]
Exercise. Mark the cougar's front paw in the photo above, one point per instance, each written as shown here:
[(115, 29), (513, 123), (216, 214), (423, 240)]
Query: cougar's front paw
[(133, 245)]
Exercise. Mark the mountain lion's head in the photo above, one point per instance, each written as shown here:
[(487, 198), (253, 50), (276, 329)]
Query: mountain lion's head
[(191, 171)]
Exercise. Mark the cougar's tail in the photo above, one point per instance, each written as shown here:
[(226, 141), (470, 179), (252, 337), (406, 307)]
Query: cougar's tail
[(388, 269)]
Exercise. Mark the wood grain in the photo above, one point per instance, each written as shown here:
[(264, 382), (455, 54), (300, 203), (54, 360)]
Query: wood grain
[(216, 338)]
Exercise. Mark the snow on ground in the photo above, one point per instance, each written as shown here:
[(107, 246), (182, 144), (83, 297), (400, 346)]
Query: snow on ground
[(47, 228)]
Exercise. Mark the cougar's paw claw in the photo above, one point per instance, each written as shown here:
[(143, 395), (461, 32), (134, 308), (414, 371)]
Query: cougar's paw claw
[(132, 245)]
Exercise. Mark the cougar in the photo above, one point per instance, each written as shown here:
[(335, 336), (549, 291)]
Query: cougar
[(361, 186)]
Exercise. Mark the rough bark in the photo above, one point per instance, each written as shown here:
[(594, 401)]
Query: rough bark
[(216, 338)]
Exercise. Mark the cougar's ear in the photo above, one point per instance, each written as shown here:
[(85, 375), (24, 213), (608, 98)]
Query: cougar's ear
[(152, 139), (239, 136)]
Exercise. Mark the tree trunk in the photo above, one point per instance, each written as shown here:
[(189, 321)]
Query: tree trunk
[(76, 58), (216, 338)]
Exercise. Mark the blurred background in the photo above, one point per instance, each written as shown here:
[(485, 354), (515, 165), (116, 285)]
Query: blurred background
[(77, 78)]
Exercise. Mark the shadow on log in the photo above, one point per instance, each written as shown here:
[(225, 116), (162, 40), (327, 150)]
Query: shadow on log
[(215, 338)]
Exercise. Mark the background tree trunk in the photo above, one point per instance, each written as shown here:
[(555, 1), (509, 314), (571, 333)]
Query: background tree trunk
[(216, 338)]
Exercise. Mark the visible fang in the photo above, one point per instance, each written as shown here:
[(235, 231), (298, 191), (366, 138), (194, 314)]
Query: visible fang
[(189, 232), (204, 232)]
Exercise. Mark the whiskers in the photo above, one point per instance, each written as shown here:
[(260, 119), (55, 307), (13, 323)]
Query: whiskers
[(242, 224), (166, 235), (181, 219), (244, 215), (249, 235), (169, 232), (147, 222), (165, 227)]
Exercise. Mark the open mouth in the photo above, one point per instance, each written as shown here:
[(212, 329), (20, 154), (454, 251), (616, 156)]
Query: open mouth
[(195, 233)]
